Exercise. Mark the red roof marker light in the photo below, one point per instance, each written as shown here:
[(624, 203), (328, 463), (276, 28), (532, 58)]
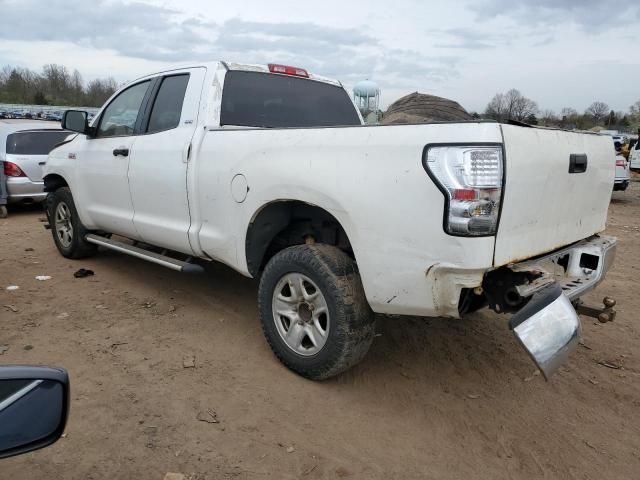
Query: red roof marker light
[(288, 70)]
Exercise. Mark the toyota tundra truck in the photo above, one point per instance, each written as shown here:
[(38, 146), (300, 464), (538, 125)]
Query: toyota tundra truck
[(270, 170)]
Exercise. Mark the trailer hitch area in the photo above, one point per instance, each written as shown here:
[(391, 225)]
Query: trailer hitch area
[(603, 314)]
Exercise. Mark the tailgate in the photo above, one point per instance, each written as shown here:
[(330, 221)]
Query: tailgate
[(544, 206)]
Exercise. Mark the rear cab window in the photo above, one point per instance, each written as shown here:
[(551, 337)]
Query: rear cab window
[(256, 99), (34, 142)]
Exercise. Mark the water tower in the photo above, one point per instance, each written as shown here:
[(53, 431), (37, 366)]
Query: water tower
[(366, 95)]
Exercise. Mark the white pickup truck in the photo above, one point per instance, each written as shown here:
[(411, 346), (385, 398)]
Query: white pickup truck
[(269, 170)]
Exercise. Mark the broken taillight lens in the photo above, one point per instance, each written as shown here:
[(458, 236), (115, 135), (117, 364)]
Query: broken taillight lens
[(13, 170)]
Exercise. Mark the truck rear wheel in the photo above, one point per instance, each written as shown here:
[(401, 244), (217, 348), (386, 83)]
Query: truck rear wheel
[(314, 312), (68, 232)]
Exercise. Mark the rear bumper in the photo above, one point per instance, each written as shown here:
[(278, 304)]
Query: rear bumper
[(620, 184), (21, 189), (577, 268)]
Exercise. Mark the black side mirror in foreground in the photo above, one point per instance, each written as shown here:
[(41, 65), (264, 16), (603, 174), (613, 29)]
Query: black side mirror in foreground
[(76, 121), (34, 403)]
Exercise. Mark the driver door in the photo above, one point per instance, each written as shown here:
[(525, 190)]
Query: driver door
[(102, 185)]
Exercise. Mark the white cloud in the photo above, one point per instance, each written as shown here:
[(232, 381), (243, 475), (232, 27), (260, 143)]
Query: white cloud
[(559, 52)]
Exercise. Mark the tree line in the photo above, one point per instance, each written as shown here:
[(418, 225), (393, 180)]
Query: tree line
[(513, 105), (54, 85)]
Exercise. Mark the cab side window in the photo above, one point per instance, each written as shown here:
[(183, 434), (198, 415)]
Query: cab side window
[(167, 106), (120, 116)]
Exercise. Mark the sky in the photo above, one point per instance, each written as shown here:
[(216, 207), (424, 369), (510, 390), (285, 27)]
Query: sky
[(560, 53)]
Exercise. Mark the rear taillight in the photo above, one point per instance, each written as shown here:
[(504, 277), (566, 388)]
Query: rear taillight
[(471, 179), (13, 170), (288, 70), (620, 163)]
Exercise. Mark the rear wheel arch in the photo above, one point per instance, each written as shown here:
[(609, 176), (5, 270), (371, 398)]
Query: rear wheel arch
[(284, 223)]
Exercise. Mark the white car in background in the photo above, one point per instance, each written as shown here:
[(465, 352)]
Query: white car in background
[(634, 157), (24, 147), (621, 139)]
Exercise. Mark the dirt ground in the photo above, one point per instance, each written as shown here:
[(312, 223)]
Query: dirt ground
[(434, 399)]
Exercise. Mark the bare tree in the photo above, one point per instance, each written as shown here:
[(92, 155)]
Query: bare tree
[(549, 118), (520, 107), (496, 107), (634, 114), (18, 85), (598, 111), (99, 90), (511, 105), (77, 88), (55, 85)]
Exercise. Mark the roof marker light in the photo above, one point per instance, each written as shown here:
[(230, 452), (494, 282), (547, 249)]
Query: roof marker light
[(288, 70)]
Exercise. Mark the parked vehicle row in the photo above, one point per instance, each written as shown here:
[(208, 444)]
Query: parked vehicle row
[(30, 115), (24, 114)]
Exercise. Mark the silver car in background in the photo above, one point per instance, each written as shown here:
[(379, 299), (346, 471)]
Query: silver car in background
[(24, 147), (622, 176)]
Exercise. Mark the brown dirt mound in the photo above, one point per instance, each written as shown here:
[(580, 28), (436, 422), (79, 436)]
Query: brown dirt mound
[(420, 108)]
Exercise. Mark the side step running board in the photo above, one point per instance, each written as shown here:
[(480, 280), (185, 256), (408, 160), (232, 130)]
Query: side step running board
[(138, 252)]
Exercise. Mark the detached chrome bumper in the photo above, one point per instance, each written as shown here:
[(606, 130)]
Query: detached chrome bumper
[(548, 326)]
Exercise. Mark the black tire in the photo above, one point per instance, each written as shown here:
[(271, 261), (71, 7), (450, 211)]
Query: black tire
[(72, 245), (351, 326)]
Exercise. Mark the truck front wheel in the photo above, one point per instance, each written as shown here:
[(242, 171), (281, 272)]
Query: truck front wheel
[(314, 312), (68, 232)]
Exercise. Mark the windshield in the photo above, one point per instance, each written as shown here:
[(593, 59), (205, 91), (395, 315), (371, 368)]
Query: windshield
[(254, 99), (35, 142)]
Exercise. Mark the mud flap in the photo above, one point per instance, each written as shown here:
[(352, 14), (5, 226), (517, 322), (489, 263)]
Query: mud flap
[(548, 328)]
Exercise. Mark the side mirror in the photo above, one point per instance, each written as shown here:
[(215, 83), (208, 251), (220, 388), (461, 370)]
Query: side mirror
[(76, 121), (34, 403)]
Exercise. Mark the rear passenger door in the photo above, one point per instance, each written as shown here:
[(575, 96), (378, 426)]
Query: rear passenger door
[(158, 167)]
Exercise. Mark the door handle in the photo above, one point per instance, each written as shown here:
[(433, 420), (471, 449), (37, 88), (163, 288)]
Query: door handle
[(124, 152), (577, 163)]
